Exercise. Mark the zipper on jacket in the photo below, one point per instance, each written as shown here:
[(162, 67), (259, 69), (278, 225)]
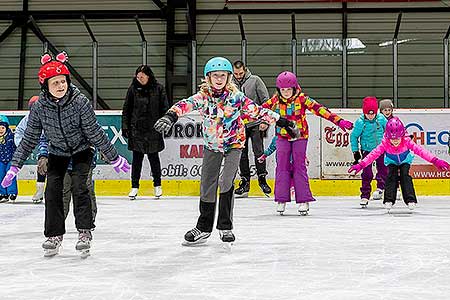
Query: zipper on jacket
[(62, 130)]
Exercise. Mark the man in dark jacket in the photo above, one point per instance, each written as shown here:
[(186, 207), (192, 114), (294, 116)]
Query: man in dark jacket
[(68, 121), (254, 88), (145, 103)]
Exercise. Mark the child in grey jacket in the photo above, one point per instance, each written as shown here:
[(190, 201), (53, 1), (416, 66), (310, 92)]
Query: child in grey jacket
[(68, 121)]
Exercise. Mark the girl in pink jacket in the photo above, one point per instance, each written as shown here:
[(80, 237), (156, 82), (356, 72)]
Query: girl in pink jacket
[(398, 148)]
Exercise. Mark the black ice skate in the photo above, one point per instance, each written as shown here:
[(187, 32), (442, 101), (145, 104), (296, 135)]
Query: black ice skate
[(243, 189), (4, 198), (195, 237), (12, 198), (264, 186), (227, 238), (84, 242), (51, 245)]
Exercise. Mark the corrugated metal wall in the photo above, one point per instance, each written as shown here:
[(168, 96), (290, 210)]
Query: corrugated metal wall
[(319, 64)]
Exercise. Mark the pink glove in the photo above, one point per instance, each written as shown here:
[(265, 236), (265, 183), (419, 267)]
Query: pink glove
[(441, 164), (10, 175), (355, 168), (121, 164), (262, 158), (344, 124)]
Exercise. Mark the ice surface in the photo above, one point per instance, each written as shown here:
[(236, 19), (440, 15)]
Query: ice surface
[(339, 251)]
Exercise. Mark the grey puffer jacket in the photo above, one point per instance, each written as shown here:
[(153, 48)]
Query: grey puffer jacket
[(69, 124), (254, 88)]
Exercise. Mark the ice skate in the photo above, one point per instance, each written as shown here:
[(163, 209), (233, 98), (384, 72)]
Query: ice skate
[(227, 238), (84, 242), (378, 194), (133, 193), (195, 237), (412, 205), (51, 245), (303, 208), (38, 197), (4, 198), (388, 206), (265, 188), (399, 195), (364, 202), (243, 189), (281, 207), (12, 198), (158, 192)]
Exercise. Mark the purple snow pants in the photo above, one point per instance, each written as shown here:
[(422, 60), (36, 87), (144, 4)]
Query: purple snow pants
[(367, 176), (296, 149)]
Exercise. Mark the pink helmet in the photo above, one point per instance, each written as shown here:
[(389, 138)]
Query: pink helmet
[(287, 79), (394, 129)]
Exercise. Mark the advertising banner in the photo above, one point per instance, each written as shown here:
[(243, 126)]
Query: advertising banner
[(428, 128)]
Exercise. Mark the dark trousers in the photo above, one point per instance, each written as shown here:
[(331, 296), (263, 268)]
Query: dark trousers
[(255, 135), (54, 208), (367, 176), (40, 178), (136, 168), (213, 176), (395, 174)]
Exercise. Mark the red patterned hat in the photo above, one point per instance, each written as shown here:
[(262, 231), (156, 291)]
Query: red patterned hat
[(51, 68)]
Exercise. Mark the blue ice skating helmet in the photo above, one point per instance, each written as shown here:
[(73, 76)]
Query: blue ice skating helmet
[(218, 64), (4, 121)]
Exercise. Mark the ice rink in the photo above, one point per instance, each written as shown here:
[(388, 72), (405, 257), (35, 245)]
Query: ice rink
[(339, 251)]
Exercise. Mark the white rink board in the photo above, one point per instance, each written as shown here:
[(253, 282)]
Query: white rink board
[(328, 152)]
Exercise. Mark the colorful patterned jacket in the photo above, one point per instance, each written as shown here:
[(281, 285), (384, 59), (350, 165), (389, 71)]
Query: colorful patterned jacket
[(223, 128), (294, 109)]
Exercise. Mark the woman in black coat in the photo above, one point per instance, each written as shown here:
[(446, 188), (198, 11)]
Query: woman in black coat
[(145, 103)]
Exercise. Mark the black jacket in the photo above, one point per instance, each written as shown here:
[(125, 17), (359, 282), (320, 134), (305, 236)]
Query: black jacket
[(143, 106)]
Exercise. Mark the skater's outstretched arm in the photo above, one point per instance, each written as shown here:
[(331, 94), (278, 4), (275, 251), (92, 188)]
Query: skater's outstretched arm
[(323, 112)]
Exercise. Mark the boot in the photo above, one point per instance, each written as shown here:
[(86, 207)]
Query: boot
[(39, 195), (158, 191), (264, 186), (225, 217), (244, 188)]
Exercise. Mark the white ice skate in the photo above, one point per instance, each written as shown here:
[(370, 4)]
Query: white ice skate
[(399, 195), (84, 242), (303, 208), (412, 205), (195, 237), (38, 197), (51, 245), (364, 202), (158, 192), (133, 193), (388, 206), (377, 195), (281, 207), (227, 238)]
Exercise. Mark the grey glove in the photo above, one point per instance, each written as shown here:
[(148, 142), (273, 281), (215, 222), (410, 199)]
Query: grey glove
[(165, 123), (42, 165)]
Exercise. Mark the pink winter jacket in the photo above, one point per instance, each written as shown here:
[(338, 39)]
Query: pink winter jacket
[(397, 155)]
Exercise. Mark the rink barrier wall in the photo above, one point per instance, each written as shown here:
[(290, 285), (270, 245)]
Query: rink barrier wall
[(424, 187)]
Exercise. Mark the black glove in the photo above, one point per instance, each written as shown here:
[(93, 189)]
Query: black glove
[(356, 156), (165, 123), (125, 132), (290, 126)]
